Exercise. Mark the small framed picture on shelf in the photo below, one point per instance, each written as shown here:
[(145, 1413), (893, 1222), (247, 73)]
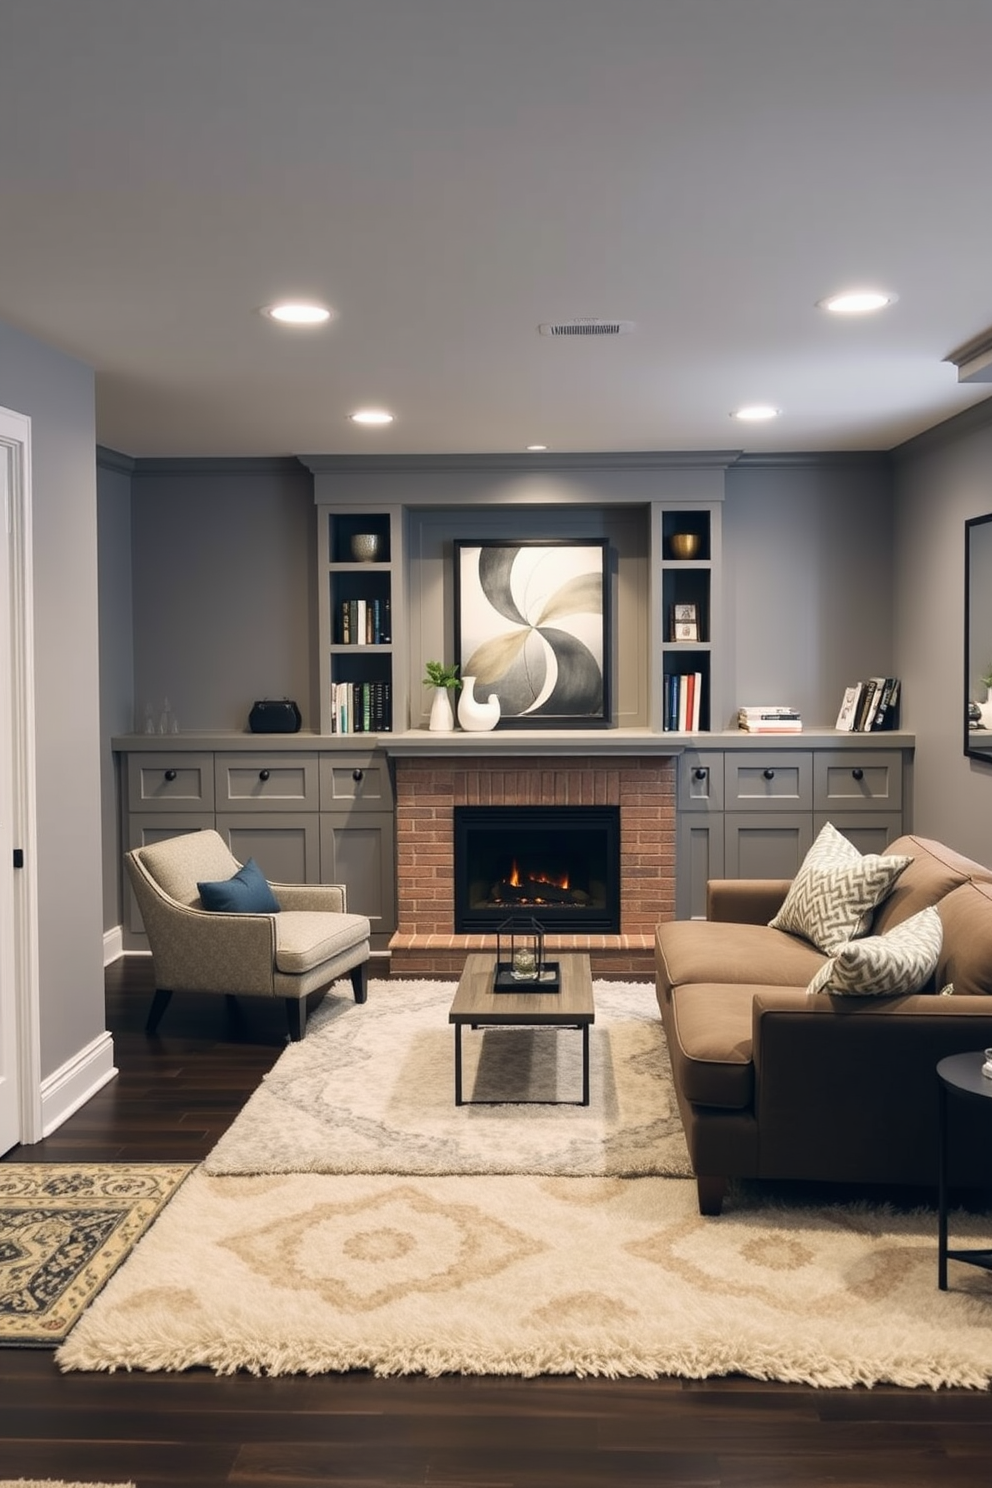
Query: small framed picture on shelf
[(685, 622)]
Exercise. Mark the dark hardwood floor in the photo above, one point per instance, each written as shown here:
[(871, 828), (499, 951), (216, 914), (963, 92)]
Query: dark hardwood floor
[(174, 1097)]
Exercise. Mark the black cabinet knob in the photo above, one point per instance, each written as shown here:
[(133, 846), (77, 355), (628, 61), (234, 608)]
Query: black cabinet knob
[(700, 773), (858, 774), (170, 774), (769, 774), (263, 774), (357, 775)]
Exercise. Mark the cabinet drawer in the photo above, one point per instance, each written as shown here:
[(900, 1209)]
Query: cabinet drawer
[(700, 780), (779, 780), (851, 781), (361, 782), (170, 782), (266, 782)]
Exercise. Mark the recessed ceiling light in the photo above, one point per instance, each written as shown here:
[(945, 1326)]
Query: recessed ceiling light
[(857, 301), (298, 313), (755, 413), (535, 449), (371, 416)]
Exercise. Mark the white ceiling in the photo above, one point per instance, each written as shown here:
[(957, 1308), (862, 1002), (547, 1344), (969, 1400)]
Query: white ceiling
[(448, 174)]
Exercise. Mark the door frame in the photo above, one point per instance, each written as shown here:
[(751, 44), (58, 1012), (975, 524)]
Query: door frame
[(15, 450)]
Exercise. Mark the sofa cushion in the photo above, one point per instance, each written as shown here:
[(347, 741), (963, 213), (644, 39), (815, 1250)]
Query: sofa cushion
[(710, 1044), (246, 892), (307, 938), (966, 956), (890, 965), (836, 890), (688, 951), (935, 871)]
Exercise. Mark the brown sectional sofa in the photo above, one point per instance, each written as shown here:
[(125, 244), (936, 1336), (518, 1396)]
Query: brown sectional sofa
[(773, 1084)]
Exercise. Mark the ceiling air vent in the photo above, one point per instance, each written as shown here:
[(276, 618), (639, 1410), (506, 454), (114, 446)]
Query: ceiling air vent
[(586, 326)]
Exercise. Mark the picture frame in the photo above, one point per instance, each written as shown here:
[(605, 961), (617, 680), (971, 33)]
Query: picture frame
[(532, 625), (685, 622)]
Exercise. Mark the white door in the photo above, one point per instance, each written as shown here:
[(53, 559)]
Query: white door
[(20, 1061), (10, 1108)]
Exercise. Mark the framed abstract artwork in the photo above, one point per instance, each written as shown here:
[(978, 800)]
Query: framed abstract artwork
[(532, 626)]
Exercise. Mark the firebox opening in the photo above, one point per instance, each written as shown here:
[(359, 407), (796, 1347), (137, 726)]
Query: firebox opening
[(556, 864)]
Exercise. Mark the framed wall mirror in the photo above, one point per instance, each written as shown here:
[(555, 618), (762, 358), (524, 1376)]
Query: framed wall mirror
[(978, 638)]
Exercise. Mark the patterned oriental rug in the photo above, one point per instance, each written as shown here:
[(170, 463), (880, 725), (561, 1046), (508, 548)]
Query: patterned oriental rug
[(64, 1229), (526, 1275), (370, 1089)]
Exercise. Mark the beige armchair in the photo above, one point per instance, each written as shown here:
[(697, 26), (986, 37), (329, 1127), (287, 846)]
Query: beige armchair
[(310, 944)]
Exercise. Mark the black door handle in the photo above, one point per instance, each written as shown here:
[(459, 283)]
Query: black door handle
[(769, 774), (858, 774), (357, 775), (170, 774), (263, 774)]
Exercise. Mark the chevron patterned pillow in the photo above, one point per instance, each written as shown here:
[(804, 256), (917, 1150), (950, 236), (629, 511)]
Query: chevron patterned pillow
[(891, 965), (832, 897)]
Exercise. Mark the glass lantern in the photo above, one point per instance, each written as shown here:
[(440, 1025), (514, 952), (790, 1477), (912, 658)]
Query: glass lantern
[(520, 949)]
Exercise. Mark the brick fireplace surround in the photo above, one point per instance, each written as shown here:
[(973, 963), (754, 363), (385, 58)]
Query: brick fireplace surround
[(428, 790)]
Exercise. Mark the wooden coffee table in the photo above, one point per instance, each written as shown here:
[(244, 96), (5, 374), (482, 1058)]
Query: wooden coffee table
[(480, 1007)]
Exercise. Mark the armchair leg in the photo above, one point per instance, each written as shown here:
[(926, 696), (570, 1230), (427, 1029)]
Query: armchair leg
[(296, 1017), (710, 1192), (159, 1004), (360, 981)]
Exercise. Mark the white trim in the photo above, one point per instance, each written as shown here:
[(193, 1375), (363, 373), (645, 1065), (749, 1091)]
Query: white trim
[(15, 438), (113, 944), (76, 1082)]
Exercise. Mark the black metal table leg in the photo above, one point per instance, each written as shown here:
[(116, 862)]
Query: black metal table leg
[(458, 1065), (942, 1187)]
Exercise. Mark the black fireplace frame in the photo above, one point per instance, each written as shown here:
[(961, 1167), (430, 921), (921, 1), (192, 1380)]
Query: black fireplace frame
[(595, 920)]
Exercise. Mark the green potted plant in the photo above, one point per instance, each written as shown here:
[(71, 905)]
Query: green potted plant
[(445, 681)]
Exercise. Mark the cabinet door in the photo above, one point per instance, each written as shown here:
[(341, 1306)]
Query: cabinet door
[(286, 846), (356, 849), (769, 780), (766, 845), (142, 832), (869, 831), (700, 857)]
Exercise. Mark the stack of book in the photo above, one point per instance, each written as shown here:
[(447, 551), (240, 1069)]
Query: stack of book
[(364, 622), (770, 718), (869, 706), (683, 698), (361, 707)]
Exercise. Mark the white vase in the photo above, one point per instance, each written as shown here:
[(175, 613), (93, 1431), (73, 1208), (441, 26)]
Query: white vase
[(985, 709), (472, 714), (442, 713)]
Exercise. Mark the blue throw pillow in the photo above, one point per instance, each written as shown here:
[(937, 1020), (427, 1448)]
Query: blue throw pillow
[(247, 892)]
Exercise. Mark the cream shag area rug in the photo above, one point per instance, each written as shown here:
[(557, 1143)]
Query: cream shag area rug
[(521, 1275), (370, 1089), (64, 1228)]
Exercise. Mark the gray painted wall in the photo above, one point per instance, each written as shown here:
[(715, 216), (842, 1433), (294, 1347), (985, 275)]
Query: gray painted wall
[(941, 480), (56, 392), (808, 581), (224, 574), (116, 659)]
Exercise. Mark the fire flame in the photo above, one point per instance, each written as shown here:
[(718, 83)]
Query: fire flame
[(514, 880)]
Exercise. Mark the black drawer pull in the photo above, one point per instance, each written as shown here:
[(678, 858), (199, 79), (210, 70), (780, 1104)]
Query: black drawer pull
[(263, 774), (357, 775), (699, 773), (769, 774), (170, 774), (858, 774)]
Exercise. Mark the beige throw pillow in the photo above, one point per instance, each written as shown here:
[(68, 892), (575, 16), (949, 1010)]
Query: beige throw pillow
[(832, 897), (891, 965)]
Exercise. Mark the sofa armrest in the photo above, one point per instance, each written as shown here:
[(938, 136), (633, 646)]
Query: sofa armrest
[(745, 901)]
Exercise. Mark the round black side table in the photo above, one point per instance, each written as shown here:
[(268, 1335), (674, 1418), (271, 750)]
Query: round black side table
[(960, 1075)]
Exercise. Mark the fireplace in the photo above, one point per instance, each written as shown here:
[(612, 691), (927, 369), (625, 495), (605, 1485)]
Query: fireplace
[(559, 865)]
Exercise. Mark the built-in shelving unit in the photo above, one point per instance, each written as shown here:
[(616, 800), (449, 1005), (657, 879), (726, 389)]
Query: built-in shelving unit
[(360, 601), (687, 582)]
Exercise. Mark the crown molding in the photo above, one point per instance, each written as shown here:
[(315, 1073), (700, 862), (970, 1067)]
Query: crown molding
[(108, 459), (969, 421), (218, 465), (439, 464)]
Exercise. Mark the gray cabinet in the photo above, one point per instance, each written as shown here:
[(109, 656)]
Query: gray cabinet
[(304, 815), (755, 812)]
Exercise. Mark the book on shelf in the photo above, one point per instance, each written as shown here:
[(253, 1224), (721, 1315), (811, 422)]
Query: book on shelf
[(682, 701), (365, 622), (870, 706), (361, 707), (770, 718)]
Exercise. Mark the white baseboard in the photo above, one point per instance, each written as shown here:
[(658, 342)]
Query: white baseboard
[(113, 945), (76, 1082)]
